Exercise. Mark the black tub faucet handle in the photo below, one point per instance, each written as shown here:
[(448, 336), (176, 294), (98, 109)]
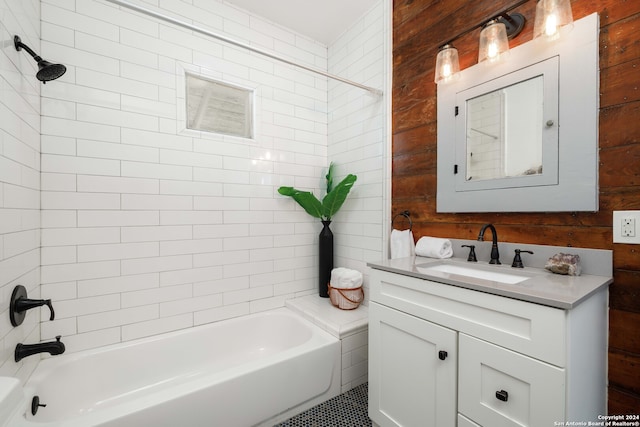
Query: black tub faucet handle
[(20, 304), (53, 313)]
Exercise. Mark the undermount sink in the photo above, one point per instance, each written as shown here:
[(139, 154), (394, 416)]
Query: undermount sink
[(471, 272)]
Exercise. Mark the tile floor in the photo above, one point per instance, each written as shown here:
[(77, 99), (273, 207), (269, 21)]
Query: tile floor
[(348, 409)]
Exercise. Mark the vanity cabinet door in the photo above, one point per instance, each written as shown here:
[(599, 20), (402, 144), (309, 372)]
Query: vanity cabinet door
[(500, 388), (413, 370)]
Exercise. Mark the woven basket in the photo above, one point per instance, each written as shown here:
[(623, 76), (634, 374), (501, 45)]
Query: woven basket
[(346, 299)]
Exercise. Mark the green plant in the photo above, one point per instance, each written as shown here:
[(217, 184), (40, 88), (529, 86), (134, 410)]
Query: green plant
[(331, 202)]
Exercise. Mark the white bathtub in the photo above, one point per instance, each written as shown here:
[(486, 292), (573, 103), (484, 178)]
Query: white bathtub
[(252, 370)]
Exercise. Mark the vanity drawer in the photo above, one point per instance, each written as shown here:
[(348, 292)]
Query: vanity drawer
[(466, 422), (536, 330), (498, 387)]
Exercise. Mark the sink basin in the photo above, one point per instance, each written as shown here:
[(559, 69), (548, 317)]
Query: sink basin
[(471, 272)]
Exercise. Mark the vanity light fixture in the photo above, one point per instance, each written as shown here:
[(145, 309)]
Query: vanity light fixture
[(447, 64), (551, 16), (493, 42)]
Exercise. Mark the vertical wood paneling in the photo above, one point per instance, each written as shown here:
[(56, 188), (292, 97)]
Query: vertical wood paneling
[(419, 28)]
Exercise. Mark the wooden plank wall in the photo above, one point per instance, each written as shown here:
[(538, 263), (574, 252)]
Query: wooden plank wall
[(419, 28)]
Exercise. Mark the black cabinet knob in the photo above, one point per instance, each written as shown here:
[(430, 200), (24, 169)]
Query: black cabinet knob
[(502, 395), (442, 355)]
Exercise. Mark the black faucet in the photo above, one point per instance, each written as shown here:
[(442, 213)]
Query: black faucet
[(495, 255), (51, 347)]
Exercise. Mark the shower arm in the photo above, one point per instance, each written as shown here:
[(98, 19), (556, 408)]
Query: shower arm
[(17, 42), (206, 32)]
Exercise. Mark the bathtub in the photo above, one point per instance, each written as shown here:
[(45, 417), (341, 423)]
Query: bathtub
[(251, 370)]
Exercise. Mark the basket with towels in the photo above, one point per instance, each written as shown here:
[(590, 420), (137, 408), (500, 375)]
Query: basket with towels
[(345, 288)]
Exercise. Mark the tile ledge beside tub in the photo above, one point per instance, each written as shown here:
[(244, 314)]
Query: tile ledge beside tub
[(349, 326)]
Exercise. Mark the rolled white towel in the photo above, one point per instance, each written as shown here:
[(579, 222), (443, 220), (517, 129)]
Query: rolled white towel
[(401, 244), (345, 278), (434, 247)]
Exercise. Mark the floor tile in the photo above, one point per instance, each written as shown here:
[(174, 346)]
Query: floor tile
[(348, 409)]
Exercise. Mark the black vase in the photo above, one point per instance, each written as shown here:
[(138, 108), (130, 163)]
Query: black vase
[(326, 259)]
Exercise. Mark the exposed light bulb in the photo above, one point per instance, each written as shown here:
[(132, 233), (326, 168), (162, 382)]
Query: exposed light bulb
[(447, 64), (446, 70), (492, 50), (551, 25), (552, 18), (493, 42)]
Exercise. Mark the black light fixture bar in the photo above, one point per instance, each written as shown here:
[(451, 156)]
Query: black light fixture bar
[(514, 22)]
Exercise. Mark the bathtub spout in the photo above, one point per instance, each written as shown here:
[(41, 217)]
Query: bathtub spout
[(51, 347)]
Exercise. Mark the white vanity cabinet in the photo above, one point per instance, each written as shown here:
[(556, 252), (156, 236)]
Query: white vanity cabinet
[(443, 355)]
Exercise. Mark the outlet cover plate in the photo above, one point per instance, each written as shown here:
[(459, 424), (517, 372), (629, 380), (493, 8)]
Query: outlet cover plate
[(619, 218)]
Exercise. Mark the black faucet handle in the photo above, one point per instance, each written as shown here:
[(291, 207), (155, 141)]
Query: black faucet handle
[(472, 253), (517, 260), (20, 304), (48, 304)]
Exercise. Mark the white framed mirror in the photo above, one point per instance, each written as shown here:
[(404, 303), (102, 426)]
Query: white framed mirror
[(521, 135)]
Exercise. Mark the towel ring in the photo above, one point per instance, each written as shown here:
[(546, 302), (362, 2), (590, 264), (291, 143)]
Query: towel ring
[(405, 214)]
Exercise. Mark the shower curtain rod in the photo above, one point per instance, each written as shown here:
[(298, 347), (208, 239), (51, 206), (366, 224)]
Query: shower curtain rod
[(201, 30)]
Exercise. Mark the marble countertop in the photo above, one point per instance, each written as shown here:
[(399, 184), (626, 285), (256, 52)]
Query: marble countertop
[(540, 287)]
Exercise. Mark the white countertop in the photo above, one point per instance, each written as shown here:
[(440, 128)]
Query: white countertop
[(543, 287)]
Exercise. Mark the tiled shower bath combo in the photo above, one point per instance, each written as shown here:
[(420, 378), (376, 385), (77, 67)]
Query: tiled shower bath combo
[(136, 227)]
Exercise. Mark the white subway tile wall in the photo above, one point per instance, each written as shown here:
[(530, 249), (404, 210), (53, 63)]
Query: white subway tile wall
[(355, 360), (147, 228), (19, 178), (358, 136)]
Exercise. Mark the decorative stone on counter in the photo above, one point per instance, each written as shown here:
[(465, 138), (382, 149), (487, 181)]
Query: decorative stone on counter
[(566, 264)]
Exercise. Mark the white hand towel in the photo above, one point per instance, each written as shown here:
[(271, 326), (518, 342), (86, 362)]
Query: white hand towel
[(345, 278), (434, 247), (402, 244)]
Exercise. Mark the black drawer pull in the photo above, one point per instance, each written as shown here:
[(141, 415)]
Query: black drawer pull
[(502, 395), (442, 355)]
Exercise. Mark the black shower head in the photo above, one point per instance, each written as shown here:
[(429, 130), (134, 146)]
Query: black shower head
[(47, 70)]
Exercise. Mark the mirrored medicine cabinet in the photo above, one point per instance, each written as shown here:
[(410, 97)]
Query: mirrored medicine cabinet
[(521, 135)]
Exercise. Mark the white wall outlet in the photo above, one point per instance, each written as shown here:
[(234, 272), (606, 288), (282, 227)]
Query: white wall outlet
[(624, 227), (628, 227)]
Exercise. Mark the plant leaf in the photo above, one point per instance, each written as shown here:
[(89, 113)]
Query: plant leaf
[(333, 201), (309, 203), (329, 178), (287, 191), (306, 199)]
